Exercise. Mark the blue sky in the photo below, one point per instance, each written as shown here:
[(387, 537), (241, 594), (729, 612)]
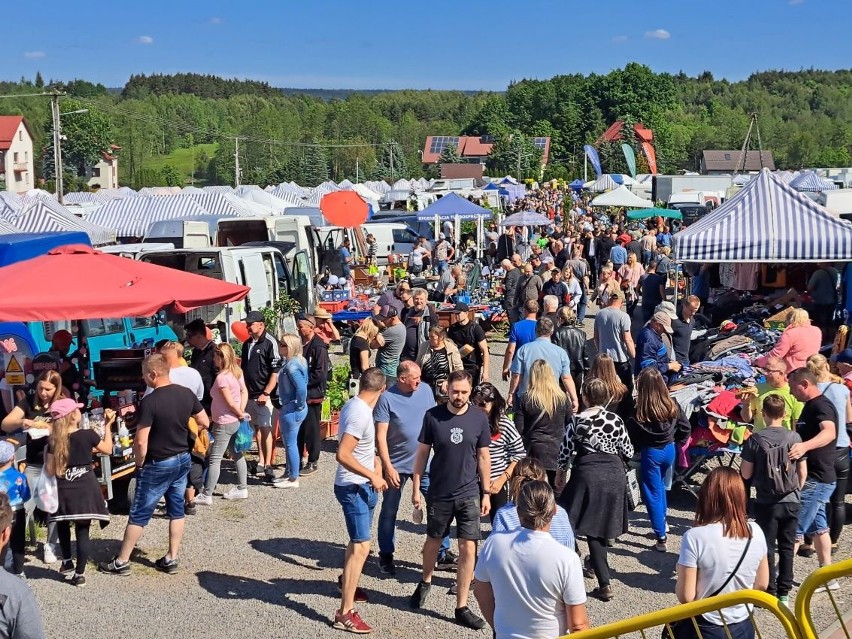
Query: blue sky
[(440, 44)]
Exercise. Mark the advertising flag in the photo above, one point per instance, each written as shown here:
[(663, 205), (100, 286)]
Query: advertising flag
[(648, 151), (593, 158), (630, 156)]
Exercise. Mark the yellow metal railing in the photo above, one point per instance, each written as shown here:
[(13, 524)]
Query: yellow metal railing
[(817, 578), (661, 618)]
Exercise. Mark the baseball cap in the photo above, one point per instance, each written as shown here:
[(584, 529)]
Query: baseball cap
[(253, 316), (7, 452), (388, 312), (62, 337), (461, 307), (843, 357), (668, 308), (663, 319), (63, 407)]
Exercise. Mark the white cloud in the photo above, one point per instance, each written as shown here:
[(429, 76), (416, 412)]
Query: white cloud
[(145, 40), (620, 38), (658, 34), (34, 55), (214, 20)]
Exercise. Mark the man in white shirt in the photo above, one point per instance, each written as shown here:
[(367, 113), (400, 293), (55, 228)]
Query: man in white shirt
[(357, 485), (527, 584)]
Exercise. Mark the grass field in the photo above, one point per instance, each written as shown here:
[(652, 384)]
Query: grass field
[(182, 159)]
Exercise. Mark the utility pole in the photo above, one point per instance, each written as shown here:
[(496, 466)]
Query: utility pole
[(357, 179), (57, 144), (393, 177), (236, 162)]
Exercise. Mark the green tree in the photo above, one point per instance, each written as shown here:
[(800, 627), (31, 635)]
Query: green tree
[(516, 155), (314, 168), (85, 136), (171, 175), (39, 81), (391, 165)]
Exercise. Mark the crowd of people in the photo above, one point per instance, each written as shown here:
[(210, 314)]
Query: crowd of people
[(546, 463)]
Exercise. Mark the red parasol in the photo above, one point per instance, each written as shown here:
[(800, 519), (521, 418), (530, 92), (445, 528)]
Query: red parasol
[(344, 208), (78, 282)]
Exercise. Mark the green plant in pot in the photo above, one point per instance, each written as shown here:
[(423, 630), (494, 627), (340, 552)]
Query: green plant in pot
[(337, 390)]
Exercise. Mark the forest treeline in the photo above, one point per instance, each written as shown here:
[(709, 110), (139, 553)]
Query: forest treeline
[(804, 117)]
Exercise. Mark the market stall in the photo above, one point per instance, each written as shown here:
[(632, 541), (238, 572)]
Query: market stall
[(99, 285)]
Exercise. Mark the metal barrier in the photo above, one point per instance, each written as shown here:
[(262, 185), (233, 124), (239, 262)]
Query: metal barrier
[(663, 618), (818, 578)]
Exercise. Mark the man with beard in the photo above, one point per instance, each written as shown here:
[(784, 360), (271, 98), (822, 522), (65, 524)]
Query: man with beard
[(418, 319)]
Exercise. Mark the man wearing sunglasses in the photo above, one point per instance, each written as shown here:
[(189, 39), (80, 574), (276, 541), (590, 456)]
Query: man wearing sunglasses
[(776, 384)]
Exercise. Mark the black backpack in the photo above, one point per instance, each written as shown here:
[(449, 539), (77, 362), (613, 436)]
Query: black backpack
[(780, 477)]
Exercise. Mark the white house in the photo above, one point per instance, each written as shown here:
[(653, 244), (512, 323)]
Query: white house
[(16, 153), (104, 174)]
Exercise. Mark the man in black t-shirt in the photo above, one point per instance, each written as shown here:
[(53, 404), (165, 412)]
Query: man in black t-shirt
[(817, 426), (470, 338), (459, 437), (161, 447), (202, 357)]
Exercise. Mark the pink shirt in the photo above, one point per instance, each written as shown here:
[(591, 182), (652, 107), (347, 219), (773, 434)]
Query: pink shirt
[(796, 345), (226, 383)]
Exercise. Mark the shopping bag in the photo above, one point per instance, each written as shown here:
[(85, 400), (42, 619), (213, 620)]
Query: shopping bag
[(633, 495), (46, 493), (243, 438)]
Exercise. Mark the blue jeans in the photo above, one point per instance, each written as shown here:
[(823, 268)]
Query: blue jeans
[(654, 466), (441, 265), (358, 502), (157, 479), (812, 517), (390, 508), (290, 421), (583, 304)]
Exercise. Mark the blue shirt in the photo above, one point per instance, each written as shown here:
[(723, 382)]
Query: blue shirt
[(541, 348), (651, 351), (664, 239), (837, 394), (293, 384), (344, 256), (403, 413), (506, 520), (522, 332), (14, 484), (618, 255)]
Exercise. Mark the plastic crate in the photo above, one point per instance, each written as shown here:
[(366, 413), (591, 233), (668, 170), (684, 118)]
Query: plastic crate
[(340, 295), (328, 296), (333, 307)]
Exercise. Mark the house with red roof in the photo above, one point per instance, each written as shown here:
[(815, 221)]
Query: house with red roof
[(472, 149), (104, 174), (16, 153)]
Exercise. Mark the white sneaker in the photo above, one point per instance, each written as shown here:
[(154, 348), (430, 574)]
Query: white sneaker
[(203, 499), (285, 483), (236, 493), (831, 585), (49, 554)]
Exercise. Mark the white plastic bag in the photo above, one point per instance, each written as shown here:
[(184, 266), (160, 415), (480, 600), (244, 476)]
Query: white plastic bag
[(46, 493)]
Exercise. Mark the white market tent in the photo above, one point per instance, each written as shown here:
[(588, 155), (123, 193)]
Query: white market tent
[(46, 215), (622, 196), (603, 183), (766, 221), (131, 217)]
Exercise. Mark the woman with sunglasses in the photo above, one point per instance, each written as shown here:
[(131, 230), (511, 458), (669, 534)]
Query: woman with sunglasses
[(438, 358), (506, 446), (293, 391)]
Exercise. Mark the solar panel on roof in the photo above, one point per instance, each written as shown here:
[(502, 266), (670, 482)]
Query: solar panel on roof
[(540, 142), (441, 142)]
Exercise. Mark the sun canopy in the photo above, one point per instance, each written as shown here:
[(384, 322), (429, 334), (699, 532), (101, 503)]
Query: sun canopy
[(450, 206), (810, 181), (43, 215), (131, 217), (622, 196), (643, 214), (103, 285), (766, 221), (603, 183), (526, 218)]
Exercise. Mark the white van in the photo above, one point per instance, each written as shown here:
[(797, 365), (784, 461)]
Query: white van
[(391, 237), (263, 269), (180, 233)]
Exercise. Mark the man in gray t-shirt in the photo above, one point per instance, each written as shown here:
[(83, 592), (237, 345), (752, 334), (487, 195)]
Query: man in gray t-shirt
[(393, 340), (19, 613), (612, 331)]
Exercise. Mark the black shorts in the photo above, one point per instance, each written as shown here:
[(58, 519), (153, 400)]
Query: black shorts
[(440, 515)]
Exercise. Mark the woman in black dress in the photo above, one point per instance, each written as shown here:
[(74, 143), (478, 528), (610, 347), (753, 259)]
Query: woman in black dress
[(69, 458), (596, 494), (29, 425)]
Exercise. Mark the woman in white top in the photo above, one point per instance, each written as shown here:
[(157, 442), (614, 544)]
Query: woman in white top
[(722, 553)]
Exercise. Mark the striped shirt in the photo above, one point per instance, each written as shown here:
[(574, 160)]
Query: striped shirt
[(506, 520), (505, 448)]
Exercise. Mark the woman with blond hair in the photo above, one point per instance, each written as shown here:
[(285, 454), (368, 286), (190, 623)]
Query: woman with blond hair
[(838, 394), (799, 341), (655, 427), (723, 552), (293, 391), (359, 347), (596, 495), (607, 286), (540, 417), (69, 459), (629, 274), (229, 397)]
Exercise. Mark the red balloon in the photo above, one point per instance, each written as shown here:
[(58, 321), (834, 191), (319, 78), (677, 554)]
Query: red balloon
[(240, 331)]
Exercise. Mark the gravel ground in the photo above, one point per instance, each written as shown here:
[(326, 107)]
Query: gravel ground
[(268, 567)]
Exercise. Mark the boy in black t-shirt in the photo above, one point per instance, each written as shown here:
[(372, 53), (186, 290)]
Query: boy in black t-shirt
[(161, 448), (777, 514), (470, 338)]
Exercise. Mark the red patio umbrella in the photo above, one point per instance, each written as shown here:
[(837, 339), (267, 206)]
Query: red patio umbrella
[(344, 208), (78, 282)]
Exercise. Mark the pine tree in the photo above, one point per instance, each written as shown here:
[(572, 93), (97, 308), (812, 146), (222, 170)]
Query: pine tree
[(314, 166), (39, 81), (391, 165)]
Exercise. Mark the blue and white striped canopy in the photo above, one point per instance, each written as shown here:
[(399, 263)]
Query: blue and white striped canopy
[(810, 181), (131, 217), (39, 215), (766, 221)]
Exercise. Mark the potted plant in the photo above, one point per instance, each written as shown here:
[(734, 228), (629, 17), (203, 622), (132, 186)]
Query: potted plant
[(275, 314), (336, 394)]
